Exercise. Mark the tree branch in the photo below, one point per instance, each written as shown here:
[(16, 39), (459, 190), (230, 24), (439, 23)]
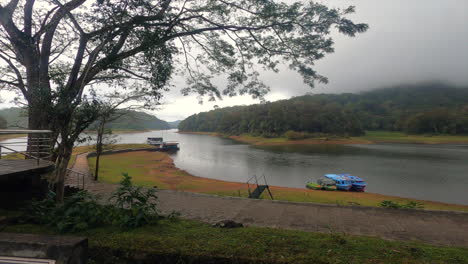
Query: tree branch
[(28, 7), (21, 85)]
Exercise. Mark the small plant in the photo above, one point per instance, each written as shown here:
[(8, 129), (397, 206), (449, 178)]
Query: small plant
[(136, 206), (395, 205)]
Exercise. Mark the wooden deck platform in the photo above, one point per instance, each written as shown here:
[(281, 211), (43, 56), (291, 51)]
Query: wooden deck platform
[(18, 167)]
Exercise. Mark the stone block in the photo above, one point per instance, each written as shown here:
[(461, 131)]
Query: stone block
[(62, 249)]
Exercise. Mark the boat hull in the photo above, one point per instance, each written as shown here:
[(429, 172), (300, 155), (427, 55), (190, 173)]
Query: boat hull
[(343, 187), (358, 187), (313, 186)]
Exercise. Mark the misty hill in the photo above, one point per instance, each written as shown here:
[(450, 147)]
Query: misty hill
[(174, 124), (422, 108), (133, 120), (136, 120)]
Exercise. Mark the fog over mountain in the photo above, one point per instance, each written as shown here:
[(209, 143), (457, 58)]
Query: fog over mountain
[(408, 42)]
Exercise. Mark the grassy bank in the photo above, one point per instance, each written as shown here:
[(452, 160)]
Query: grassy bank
[(369, 138), (263, 141), (398, 137), (157, 169), (183, 241)]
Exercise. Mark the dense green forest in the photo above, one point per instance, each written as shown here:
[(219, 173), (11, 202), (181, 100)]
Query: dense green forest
[(417, 109), (132, 120)]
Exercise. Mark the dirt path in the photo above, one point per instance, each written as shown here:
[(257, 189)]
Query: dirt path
[(433, 227)]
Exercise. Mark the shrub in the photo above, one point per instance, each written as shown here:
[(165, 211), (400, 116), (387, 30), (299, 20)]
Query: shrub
[(78, 212), (136, 206), (129, 207)]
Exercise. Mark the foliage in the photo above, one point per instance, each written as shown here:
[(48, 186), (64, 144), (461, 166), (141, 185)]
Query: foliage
[(82, 211), (78, 212), (138, 206), (396, 205), (423, 108), (64, 60), (15, 117)]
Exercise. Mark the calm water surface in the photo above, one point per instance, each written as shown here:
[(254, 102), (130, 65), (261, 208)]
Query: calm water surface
[(428, 172)]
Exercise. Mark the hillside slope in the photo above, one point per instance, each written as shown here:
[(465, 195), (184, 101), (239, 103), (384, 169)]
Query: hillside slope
[(133, 120), (423, 108)]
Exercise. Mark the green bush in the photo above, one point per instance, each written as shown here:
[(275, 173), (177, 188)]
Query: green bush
[(136, 206), (128, 207), (395, 205), (78, 212)]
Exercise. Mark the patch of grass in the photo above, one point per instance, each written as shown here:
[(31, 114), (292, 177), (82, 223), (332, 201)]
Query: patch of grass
[(399, 137), (157, 169), (192, 240)]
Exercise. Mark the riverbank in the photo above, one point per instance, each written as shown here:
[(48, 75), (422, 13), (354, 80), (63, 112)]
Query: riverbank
[(399, 137), (157, 169), (121, 131), (371, 137), (262, 141)]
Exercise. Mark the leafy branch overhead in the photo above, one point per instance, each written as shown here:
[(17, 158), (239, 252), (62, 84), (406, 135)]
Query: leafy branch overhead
[(79, 43), (67, 58)]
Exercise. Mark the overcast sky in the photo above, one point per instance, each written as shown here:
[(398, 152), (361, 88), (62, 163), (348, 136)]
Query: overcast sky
[(408, 41)]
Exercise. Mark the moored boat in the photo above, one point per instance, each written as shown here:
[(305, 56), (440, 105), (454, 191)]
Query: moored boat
[(313, 186), (169, 146), (342, 183), (358, 184), (327, 184), (155, 141)]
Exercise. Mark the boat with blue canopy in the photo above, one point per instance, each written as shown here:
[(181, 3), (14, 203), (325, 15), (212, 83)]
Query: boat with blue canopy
[(342, 182), (359, 185)]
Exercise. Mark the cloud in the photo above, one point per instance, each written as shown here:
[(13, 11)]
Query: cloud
[(408, 41)]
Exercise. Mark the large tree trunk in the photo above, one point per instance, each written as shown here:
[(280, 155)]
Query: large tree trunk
[(39, 110)]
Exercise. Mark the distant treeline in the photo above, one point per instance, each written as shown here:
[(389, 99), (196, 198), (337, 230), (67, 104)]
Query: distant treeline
[(417, 109)]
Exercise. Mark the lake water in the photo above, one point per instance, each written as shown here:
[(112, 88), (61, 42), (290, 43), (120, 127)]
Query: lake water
[(428, 172)]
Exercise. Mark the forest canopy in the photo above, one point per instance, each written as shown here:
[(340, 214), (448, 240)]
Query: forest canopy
[(434, 108)]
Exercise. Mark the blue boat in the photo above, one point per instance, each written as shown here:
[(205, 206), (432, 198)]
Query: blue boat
[(359, 185), (342, 182)]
